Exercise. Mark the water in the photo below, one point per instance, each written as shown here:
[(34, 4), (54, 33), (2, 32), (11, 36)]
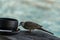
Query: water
[(43, 12)]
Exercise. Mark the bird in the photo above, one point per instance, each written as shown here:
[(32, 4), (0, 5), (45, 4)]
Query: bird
[(32, 25)]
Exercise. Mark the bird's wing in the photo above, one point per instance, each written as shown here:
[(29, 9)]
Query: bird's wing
[(33, 24)]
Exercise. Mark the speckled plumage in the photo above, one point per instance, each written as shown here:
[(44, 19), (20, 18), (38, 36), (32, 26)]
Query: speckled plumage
[(31, 26)]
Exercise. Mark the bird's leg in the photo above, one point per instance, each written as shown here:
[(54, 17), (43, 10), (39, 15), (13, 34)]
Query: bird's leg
[(30, 30)]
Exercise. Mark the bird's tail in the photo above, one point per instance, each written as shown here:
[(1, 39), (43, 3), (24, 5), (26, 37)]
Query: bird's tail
[(45, 30)]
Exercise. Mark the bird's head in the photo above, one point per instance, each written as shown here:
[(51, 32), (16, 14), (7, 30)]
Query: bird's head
[(21, 23)]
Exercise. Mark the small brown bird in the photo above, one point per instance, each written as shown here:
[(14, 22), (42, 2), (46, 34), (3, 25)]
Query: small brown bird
[(31, 26)]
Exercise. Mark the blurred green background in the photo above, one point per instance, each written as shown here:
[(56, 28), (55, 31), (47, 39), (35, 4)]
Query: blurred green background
[(43, 12)]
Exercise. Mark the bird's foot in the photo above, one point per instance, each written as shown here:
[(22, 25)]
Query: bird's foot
[(27, 32)]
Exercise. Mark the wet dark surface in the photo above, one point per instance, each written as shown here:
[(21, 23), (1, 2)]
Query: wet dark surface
[(34, 35)]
